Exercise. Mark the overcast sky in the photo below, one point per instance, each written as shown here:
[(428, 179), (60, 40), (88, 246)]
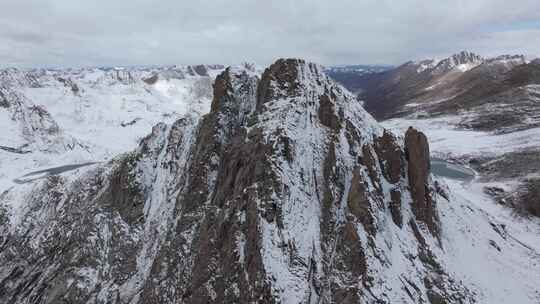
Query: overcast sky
[(132, 32)]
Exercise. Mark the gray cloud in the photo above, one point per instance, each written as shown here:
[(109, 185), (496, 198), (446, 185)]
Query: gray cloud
[(121, 32)]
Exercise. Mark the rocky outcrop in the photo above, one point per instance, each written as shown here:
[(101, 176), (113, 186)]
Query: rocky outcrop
[(4, 102), (417, 152), (327, 113), (69, 83), (391, 161), (528, 201), (286, 192), (278, 81), (463, 58), (391, 156), (151, 80)]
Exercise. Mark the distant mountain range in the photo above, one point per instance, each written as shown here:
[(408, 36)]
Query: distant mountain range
[(353, 76), (461, 82)]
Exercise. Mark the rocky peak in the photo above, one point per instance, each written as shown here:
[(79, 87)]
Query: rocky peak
[(280, 80), (427, 64), (231, 83), (299, 82), (462, 61), (286, 192), (464, 57), (234, 98), (417, 153), (508, 58)]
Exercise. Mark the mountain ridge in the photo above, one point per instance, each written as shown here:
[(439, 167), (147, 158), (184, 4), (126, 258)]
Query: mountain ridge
[(285, 191), (435, 86), (254, 192)]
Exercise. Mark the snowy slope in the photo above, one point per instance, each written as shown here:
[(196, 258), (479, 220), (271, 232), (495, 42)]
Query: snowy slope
[(91, 114), (493, 249)]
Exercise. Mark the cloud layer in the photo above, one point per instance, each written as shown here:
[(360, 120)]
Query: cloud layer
[(121, 32)]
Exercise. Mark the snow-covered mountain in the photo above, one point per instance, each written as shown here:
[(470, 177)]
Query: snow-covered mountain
[(432, 86), (286, 191), (59, 117), (462, 61)]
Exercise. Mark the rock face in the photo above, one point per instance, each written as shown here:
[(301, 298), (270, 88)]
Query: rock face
[(417, 151), (286, 192)]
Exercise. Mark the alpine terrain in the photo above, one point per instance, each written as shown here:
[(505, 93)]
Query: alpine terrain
[(481, 117), (482, 112), (206, 184)]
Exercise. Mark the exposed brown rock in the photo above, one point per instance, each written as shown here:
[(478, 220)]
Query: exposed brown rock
[(390, 156), (327, 113), (280, 80), (350, 260), (358, 203), (352, 137), (221, 86), (209, 212), (126, 197), (417, 153), (395, 207), (369, 160), (286, 146)]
